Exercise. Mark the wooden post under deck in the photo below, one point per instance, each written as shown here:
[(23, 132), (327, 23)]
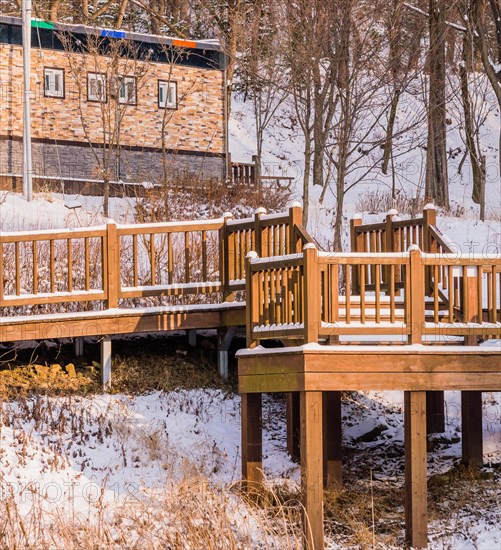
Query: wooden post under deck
[(252, 439), (332, 439), (293, 425), (435, 412), (472, 442), (312, 469), (416, 531)]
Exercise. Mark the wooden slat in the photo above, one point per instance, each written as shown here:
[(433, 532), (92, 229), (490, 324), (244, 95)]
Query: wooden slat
[(18, 268), (35, 267), (52, 266), (70, 264), (87, 263), (153, 260)]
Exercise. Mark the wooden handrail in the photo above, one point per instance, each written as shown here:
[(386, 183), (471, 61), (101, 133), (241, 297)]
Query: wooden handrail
[(84, 267), (298, 295)]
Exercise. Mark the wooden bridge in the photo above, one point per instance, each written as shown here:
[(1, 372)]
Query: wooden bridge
[(402, 311)]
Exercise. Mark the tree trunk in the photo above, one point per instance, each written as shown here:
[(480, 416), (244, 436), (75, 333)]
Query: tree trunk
[(106, 196), (388, 144), (306, 180), (437, 185), (477, 160), (496, 16)]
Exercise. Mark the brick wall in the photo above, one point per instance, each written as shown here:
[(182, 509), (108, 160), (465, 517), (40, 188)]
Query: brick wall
[(196, 126)]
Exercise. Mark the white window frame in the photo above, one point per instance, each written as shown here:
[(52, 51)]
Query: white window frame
[(96, 77), (167, 88), (124, 97), (49, 82)]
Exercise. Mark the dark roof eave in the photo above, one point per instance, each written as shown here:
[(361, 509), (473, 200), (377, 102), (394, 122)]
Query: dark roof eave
[(148, 38)]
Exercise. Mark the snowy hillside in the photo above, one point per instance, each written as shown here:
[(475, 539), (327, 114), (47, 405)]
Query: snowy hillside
[(283, 154), (105, 459)]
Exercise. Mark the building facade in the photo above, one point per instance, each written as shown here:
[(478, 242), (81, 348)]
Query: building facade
[(110, 104)]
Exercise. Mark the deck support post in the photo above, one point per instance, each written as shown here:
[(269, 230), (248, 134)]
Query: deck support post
[(332, 439), (472, 436), (224, 339), (472, 442), (293, 425), (78, 343), (416, 531), (435, 412), (252, 445), (106, 362), (192, 338), (312, 469)]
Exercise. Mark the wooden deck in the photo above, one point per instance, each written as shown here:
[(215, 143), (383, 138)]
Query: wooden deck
[(319, 304), (123, 279), (403, 283)]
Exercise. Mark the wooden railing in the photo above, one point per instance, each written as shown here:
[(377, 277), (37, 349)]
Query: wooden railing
[(250, 174), (297, 296), (107, 266)]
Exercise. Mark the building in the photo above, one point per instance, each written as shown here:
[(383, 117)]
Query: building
[(110, 104)]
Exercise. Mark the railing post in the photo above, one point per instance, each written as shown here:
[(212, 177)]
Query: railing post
[(251, 297), (429, 218), (258, 240), (311, 293), (389, 232), (356, 243), (429, 245), (389, 244), (435, 407), (414, 295), (471, 401), (113, 264), (224, 258), (295, 220)]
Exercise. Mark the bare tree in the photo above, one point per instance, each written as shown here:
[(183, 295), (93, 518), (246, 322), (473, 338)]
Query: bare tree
[(437, 183), (112, 81), (263, 69)]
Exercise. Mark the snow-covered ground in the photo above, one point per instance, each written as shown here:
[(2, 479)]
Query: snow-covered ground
[(77, 456)]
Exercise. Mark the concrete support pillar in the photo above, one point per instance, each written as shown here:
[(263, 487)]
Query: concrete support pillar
[(416, 492), (332, 439), (312, 469), (78, 343), (252, 439), (106, 362), (192, 338), (224, 339)]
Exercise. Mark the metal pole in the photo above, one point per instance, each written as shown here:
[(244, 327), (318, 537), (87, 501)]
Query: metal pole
[(27, 163)]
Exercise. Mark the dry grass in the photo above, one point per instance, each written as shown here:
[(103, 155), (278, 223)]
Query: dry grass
[(190, 513)]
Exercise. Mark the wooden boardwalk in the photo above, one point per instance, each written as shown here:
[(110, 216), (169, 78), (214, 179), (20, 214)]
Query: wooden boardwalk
[(403, 311), (122, 279), (432, 307)]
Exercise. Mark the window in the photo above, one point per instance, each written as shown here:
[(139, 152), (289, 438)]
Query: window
[(127, 90), (53, 82), (96, 87), (167, 94)]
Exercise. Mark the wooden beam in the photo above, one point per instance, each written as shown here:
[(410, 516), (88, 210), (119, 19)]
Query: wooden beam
[(252, 446), (416, 493), (312, 470), (332, 439)]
